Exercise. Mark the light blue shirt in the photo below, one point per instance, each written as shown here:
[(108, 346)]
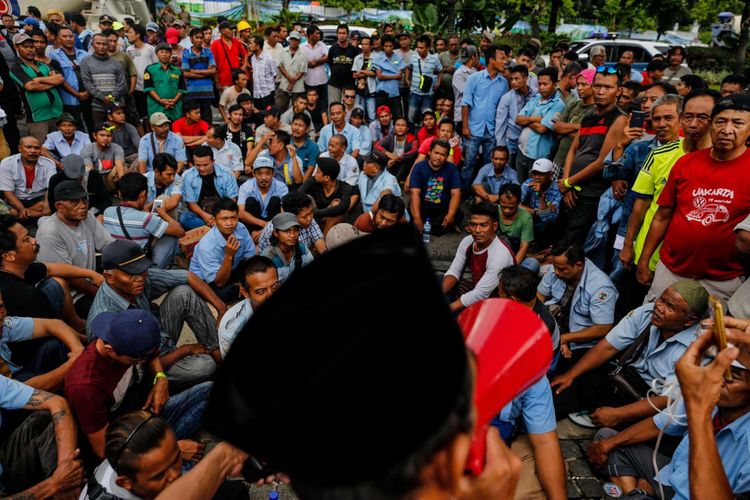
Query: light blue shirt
[(60, 147), (231, 323), (384, 181), (507, 130), (430, 67), (535, 406), (365, 146), (387, 66), (283, 267), (226, 184), (69, 74), (658, 358), (732, 442), (174, 188), (250, 189), (209, 252), (482, 95), (353, 137), (174, 146), (14, 395), (593, 301), (493, 182), (540, 145), (15, 329)]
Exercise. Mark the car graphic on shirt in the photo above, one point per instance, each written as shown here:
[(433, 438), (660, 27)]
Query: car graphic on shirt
[(709, 213)]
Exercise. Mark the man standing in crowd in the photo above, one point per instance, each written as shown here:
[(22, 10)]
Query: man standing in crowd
[(569, 122), (104, 78), (389, 69), (229, 53), (165, 85), (507, 131), (423, 74), (469, 61), (448, 59), (479, 105), (340, 59), (199, 71), (264, 74), (292, 69), (317, 56), (75, 98), (143, 55)]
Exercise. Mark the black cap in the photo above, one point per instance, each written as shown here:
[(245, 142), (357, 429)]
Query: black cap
[(373, 157), (329, 167), (106, 19), (70, 190), (226, 25), (358, 112), (271, 111), (115, 106), (125, 255), (371, 392), (73, 167), (65, 118), (738, 101)]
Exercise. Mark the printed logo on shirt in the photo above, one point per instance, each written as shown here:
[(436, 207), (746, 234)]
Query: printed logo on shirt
[(710, 206), (435, 188), (83, 247), (603, 296)]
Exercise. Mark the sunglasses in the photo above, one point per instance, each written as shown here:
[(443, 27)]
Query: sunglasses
[(607, 70)]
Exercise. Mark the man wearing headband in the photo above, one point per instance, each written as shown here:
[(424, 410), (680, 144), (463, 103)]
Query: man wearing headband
[(702, 202)]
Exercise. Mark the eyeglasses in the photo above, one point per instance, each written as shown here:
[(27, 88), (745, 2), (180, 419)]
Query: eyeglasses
[(607, 70), (132, 434)]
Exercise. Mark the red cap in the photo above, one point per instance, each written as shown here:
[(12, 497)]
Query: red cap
[(382, 109), (172, 35)]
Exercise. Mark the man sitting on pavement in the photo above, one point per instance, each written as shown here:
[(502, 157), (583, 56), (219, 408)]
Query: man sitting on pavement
[(391, 210), (220, 251), (375, 182), (286, 251), (105, 160), (348, 166), (287, 166), (516, 225), (541, 198), (485, 256), (64, 141), (155, 230), (258, 281), (164, 183), (333, 198), (24, 178), (656, 336), (202, 186), (493, 176), (160, 140), (260, 197), (226, 153), (302, 206), (123, 345), (73, 236), (132, 283)]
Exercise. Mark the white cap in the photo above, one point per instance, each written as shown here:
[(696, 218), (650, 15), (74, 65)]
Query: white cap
[(263, 161), (543, 165)]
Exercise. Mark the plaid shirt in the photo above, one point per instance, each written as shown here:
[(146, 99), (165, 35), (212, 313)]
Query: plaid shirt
[(307, 235), (264, 75)]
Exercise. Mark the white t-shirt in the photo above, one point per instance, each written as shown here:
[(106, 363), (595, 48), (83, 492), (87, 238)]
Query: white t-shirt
[(498, 258), (141, 58), (349, 172), (231, 323)]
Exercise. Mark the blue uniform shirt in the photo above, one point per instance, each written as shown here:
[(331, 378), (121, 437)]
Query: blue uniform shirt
[(250, 189), (209, 252), (658, 358), (353, 137), (174, 188), (540, 145), (15, 329), (226, 184), (384, 181), (387, 66), (493, 182), (148, 149), (593, 302), (482, 94), (534, 405)]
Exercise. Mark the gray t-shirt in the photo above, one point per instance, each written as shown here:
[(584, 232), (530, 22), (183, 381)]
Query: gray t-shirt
[(127, 138), (77, 246), (102, 160)]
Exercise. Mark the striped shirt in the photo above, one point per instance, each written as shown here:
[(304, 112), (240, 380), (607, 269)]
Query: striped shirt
[(430, 66), (139, 225), (307, 235), (199, 88), (264, 75)]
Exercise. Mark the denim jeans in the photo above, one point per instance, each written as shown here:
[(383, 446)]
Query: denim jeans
[(418, 104), (472, 145), (190, 221), (162, 251), (368, 104), (184, 411)]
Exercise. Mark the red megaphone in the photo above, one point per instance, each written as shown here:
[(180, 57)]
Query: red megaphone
[(513, 349)]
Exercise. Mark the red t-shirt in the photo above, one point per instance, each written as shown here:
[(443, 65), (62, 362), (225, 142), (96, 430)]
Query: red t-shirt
[(709, 198), (30, 176), (454, 155), (90, 386), (224, 65), (182, 127), (423, 134)]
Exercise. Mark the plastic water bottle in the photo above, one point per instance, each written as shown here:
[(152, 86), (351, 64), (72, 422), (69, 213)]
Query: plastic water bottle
[(426, 231)]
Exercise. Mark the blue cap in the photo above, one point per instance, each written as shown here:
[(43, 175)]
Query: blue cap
[(152, 26), (263, 161), (132, 333), (30, 21)]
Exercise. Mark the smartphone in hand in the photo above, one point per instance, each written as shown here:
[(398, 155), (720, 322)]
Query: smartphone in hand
[(637, 119), (157, 204)]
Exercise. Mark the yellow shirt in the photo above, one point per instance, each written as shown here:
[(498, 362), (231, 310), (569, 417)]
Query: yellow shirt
[(649, 184)]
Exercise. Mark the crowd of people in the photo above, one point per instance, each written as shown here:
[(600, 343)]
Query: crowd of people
[(170, 175)]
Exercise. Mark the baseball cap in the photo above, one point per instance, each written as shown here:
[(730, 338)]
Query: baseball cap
[(285, 221), (152, 26), (159, 118), (243, 25), (163, 46), (271, 111), (263, 161), (739, 102), (106, 19), (226, 25), (117, 26), (340, 234), (115, 106), (172, 36), (132, 332), (382, 109), (73, 167), (65, 117), (126, 256), (428, 112), (543, 165), (20, 38), (179, 23), (372, 157), (70, 190), (467, 53), (30, 21), (296, 35), (358, 112)]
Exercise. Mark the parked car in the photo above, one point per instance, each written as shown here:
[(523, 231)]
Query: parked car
[(329, 32), (643, 51)]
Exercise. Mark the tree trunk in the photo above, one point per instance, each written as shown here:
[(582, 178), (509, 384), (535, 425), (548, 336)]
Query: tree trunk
[(535, 23), (284, 4), (742, 45), (553, 13)]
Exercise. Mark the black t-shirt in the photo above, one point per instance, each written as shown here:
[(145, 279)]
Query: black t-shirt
[(20, 295), (317, 116), (208, 188), (240, 137), (594, 128), (340, 61), (343, 192)]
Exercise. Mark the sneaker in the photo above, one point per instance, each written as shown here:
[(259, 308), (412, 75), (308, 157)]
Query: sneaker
[(581, 418)]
